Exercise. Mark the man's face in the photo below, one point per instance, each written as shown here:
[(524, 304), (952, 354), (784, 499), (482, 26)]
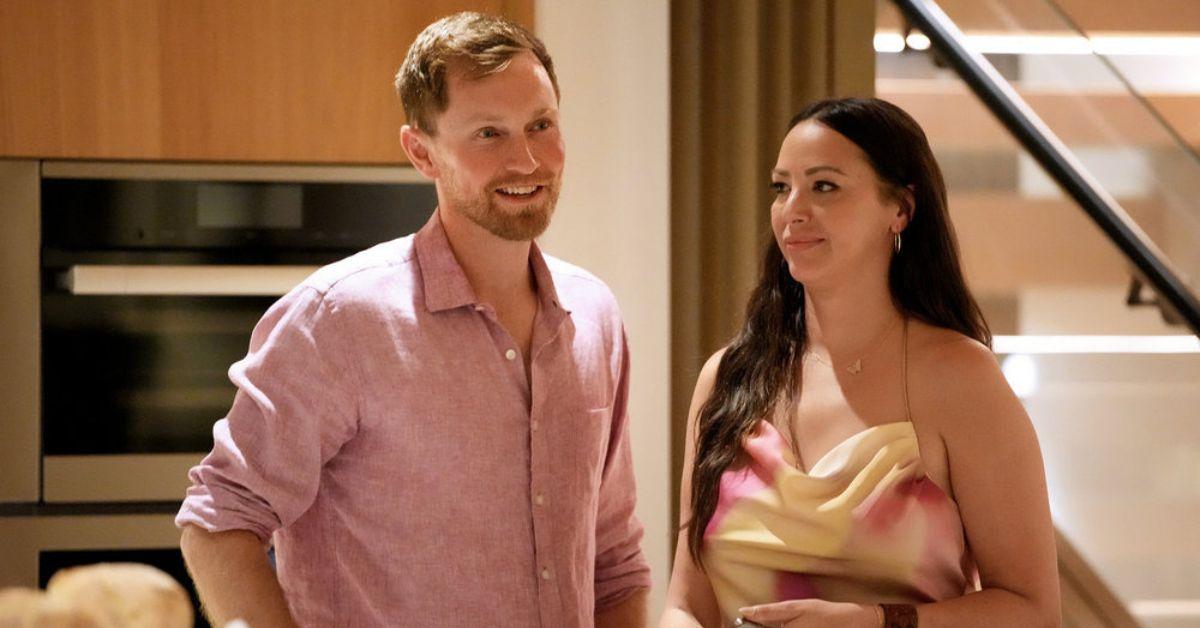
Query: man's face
[(497, 151)]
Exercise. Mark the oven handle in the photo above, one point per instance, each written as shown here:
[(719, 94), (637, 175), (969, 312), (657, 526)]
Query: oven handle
[(183, 280)]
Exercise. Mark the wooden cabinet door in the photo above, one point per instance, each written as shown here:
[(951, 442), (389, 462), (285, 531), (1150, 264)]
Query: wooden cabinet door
[(211, 80)]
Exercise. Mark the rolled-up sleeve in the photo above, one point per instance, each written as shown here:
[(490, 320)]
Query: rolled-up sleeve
[(296, 405), (621, 567)]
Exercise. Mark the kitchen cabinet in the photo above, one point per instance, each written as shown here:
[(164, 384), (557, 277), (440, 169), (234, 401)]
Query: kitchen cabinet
[(211, 80)]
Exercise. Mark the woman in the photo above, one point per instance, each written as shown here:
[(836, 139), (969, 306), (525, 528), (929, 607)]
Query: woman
[(855, 457)]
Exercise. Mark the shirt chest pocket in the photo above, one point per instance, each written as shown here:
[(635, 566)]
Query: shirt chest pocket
[(585, 441)]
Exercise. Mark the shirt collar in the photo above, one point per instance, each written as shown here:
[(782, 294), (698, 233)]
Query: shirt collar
[(546, 291), (445, 283)]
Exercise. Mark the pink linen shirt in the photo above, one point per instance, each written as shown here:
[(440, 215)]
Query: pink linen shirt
[(385, 438)]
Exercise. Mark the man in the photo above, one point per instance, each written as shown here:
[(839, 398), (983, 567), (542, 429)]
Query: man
[(433, 432)]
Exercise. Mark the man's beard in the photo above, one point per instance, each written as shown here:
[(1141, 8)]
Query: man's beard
[(520, 226)]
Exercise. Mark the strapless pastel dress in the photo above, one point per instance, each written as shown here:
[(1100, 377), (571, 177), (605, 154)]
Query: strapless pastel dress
[(865, 525)]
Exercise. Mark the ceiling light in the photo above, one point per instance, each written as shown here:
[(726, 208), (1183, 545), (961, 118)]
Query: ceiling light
[(1095, 344), (1054, 44), (917, 41), (1162, 45), (889, 42), (1030, 44)]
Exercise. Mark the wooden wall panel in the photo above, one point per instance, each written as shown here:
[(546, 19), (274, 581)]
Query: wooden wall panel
[(222, 80), (78, 76)]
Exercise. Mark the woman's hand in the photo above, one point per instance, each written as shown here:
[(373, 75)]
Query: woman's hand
[(814, 613)]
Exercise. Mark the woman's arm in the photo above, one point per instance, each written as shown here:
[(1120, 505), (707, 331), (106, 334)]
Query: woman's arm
[(998, 480), (690, 599)]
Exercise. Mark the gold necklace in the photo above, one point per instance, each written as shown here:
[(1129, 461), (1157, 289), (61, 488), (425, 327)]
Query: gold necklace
[(855, 367)]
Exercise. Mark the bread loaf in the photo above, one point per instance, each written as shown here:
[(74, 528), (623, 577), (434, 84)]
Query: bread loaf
[(123, 595), (29, 608)]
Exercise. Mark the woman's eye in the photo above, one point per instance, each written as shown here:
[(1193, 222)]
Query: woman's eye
[(824, 186), (779, 187)]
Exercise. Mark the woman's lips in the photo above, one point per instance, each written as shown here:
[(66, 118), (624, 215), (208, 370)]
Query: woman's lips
[(802, 244)]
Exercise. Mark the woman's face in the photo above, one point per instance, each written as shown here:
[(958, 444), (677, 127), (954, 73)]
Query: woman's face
[(829, 216)]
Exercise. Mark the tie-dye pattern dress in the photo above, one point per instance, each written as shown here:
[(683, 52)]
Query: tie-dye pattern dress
[(865, 525)]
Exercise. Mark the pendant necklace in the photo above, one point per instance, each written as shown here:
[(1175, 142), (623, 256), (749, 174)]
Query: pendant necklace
[(855, 367)]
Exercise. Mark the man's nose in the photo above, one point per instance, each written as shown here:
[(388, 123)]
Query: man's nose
[(520, 156)]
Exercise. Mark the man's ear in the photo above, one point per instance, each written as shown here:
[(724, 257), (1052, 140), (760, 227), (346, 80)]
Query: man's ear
[(416, 145)]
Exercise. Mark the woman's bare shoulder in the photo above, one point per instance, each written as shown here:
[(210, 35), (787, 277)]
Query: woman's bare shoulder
[(705, 382), (953, 377), (708, 373), (941, 351)]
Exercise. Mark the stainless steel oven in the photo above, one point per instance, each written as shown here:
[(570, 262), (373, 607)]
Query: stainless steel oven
[(129, 289), (152, 278)]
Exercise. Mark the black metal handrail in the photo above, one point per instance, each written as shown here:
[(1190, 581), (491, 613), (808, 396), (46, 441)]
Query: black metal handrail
[(1058, 161)]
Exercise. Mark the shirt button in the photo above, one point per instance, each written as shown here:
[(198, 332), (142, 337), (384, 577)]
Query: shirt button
[(533, 425), (545, 574), (538, 499), (511, 354)]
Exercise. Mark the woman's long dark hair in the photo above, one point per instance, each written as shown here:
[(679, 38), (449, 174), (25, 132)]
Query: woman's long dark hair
[(925, 281)]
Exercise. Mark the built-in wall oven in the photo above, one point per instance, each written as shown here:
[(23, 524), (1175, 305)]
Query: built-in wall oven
[(130, 289)]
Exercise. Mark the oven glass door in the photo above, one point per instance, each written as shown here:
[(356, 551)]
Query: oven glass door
[(131, 388), (139, 374), (244, 216)]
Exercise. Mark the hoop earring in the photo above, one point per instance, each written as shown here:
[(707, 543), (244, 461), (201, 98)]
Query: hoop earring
[(896, 243)]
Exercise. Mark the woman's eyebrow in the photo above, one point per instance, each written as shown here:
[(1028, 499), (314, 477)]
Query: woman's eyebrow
[(820, 168)]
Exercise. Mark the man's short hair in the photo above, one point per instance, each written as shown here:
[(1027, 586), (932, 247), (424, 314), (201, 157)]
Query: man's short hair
[(480, 44)]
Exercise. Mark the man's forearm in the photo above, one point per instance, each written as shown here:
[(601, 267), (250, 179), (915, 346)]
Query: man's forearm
[(234, 578), (630, 612)]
